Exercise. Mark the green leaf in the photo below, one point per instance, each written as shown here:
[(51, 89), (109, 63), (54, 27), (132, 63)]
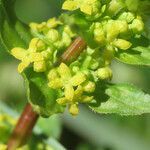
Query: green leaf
[(13, 33), (54, 144), (41, 97), (124, 99), (135, 56), (50, 126)]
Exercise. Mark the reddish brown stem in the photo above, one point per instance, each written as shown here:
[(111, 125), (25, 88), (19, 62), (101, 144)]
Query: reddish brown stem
[(73, 50), (29, 118), (23, 128)]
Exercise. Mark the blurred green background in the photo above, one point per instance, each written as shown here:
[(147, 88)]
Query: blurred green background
[(88, 131)]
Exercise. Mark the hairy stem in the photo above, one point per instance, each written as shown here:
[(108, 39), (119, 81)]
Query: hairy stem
[(29, 117)]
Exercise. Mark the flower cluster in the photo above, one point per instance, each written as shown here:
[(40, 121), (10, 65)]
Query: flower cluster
[(75, 87), (77, 82), (43, 49), (54, 33), (113, 35), (110, 26), (89, 7)]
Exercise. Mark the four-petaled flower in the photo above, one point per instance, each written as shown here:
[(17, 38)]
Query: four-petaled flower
[(73, 86), (32, 55)]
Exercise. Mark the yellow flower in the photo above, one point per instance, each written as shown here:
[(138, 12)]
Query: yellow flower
[(45, 26), (53, 23), (31, 55), (62, 78), (137, 25), (38, 27), (122, 44), (112, 30), (73, 109), (104, 73), (77, 97), (115, 6), (86, 6), (99, 34), (22, 55), (52, 35), (70, 5)]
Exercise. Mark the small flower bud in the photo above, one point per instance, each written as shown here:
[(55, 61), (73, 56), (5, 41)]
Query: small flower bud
[(62, 101), (39, 66), (40, 45), (122, 26), (90, 51), (70, 5), (53, 23), (89, 87), (67, 30), (33, 26), (86, 99), (112, 30), (33, 44), (66, 39), (122, 44), (137, 25), (127, 16), (96, 7), (94, 64), (104, 73), (52, 75), (108, 54), (99, 34), (73, 109), (114, 7), (41, 26), (52, 35)]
